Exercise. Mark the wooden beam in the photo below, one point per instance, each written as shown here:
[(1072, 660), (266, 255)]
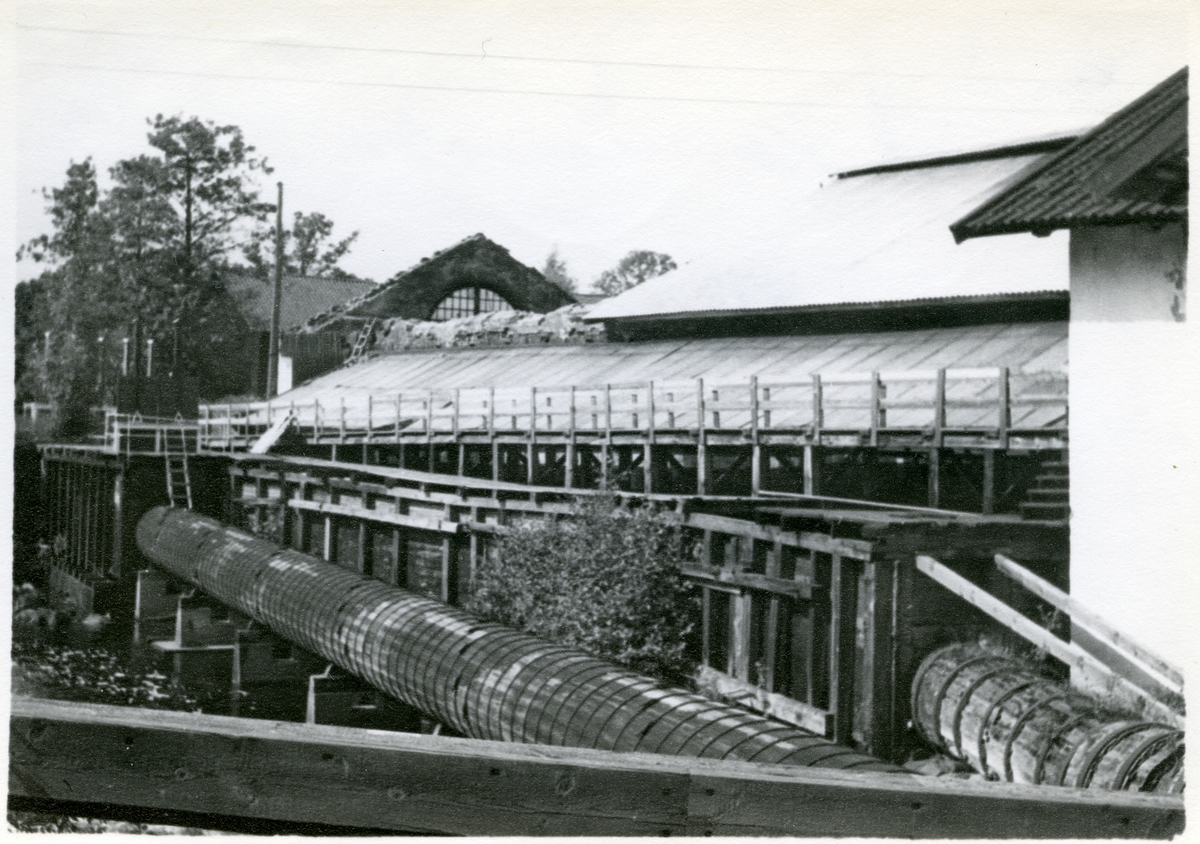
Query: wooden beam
[(1067, 652), (403, 519), (721, 686), (749, 580), (989, 482), (375, 780), (1158, 668)]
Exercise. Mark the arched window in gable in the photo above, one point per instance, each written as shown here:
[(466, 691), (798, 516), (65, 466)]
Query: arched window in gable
[(468, 301)]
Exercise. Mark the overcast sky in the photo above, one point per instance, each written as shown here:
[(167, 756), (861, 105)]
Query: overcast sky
[(595, 128)]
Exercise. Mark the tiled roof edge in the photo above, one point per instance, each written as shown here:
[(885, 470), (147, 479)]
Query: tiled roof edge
[(963, 229)]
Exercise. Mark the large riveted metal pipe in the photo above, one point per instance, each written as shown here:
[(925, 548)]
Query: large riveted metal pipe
[(484, 680), (1011, 723)]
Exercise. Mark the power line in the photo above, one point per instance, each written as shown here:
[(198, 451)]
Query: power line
[(559, 60), (569, 94)]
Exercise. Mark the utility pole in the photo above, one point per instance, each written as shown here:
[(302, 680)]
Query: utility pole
[(273, 354)]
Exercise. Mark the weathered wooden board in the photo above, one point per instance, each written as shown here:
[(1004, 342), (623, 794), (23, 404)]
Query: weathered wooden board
[(378, 780)]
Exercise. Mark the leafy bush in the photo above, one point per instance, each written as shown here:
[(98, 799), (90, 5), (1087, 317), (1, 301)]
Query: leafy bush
[(604, 581)]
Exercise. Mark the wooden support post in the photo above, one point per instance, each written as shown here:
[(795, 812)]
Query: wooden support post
[(399, 399), (608, 411), (118, 528), (939, 407), (495, 462), (862, 727), (370, 418), (363, 559), (810, 470), (472, 552), (705, 625), (755, 450), (429, 420), (394, 574), (701, 441), (818, 408), (877, 412), (447, 569), (606, 443), (455, 421), (835, 641), (989, 481), (1002, 407), (327, 541), (739, 646), (771, 629), (531, 444), (647, 468), (569, 468), (935, 472)]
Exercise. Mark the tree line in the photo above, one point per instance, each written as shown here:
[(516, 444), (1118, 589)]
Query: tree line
[(147, 258), (638, 266)]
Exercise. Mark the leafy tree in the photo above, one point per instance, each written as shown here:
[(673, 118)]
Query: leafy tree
[(633, 269), (605, 581), (150, 250), (555, 272), (208, 180), (304, 245)]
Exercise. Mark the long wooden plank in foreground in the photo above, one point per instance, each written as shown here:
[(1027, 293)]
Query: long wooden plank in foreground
[(376, 780)]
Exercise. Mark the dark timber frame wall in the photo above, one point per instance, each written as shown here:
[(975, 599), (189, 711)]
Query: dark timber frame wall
[(823, 606)]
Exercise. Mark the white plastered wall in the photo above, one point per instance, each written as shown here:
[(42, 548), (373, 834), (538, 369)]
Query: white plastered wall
[(1135, 424)]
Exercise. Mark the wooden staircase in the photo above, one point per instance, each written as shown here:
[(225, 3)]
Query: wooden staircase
[(1049, 496), (179, 480), (360, 343)]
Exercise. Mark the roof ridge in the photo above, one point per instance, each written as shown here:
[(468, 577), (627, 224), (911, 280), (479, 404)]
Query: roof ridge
[(1053, 143)]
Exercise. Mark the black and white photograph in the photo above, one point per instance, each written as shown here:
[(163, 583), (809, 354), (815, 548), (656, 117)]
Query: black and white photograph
[(600, 418)]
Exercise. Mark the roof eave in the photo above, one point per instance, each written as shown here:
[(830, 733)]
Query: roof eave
[(842, 307), (1044, 227)]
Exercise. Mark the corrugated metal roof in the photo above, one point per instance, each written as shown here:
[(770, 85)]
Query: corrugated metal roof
[(1040, 347), (1090, 181), (876, 235), (474, 379), (303, 297)]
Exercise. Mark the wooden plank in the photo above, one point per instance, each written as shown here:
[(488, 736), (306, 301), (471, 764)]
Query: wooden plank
[(403, 519), (740, 636), (1162, 671), (835, 643), (375, 780), (853, 548), (748, 580), (723, 687), (1067, 652)]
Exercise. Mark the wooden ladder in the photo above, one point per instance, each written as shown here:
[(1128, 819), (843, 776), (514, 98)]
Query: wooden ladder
[(360, 343), (179, 480)]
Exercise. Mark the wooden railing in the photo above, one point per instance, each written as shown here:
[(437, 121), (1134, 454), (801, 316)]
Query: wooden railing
[(936, 404), (136, 434)]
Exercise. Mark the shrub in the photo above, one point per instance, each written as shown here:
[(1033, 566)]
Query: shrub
[(604, 581)]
